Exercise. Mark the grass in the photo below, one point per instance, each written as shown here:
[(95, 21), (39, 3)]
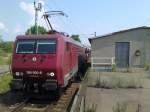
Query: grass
[(114, 68), (4, 83), (127, 107), (148, 76), (120, 107), (147, 67), (5, 59), (129, 70), (91, 108), (117, 82)]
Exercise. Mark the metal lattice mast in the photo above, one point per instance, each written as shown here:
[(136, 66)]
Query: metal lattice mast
[(37, 8)]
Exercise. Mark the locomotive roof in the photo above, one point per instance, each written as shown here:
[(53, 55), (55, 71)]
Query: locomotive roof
[(48, 36), (45, 36)]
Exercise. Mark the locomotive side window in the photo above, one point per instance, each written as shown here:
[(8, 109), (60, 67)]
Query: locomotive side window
[(46, 46), (25, 46)]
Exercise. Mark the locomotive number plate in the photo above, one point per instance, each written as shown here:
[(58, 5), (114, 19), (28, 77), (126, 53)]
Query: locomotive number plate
[(34, 72)]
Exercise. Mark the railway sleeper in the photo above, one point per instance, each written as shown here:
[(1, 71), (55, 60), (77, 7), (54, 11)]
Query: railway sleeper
[(62, 106), (61, 101), (69, 92), (27, 109), (64, 99), (57, 110)]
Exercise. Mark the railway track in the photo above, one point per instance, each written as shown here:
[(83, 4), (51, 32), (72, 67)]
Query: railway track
[(19, 107), (61, 105)]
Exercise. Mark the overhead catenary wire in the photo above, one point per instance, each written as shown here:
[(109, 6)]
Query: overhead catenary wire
[(71, 25), (56, 19), (66, 25), (59, 19)]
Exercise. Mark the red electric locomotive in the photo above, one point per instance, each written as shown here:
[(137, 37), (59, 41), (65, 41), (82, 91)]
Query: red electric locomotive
[(45, 62)]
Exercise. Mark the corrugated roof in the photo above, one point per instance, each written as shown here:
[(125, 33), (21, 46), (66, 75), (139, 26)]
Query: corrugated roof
[(122, 31)]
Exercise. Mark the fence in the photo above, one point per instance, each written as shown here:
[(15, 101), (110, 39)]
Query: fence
[(97, 62)]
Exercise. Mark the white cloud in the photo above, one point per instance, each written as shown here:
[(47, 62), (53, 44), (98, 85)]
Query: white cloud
[(18, 29), (3, 28), (28, 8)]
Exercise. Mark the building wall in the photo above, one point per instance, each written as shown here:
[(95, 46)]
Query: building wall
[(139, 40)]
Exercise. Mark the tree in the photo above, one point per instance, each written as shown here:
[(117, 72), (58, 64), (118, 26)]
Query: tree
[(32, 30), (1, 40), (1, 44), (5, 46), (76, 38)]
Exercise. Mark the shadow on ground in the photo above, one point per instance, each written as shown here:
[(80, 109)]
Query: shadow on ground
[(10, 98)]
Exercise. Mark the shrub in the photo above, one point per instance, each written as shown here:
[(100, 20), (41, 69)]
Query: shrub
[(118, 82), (127, 106), (98, 83), (120, 107), (147, 67), (129, 70), (91, 108), (4, 83), (114, 68)]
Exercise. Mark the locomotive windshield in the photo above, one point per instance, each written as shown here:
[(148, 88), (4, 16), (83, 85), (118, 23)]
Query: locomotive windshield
[(25, 47), (36, 46), (46, 46)]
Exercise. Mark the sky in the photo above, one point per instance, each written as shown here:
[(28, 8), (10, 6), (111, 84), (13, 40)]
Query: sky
[(84, 16)]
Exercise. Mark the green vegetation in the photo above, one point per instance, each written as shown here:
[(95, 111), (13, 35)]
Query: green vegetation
[(114, 68), (5, 47), (147, 67), (129, 70), (5, 52), (4, 83), (32, 30), (117, 82), (76, 38), (120, 107), (127, 107), (5, 59), (91, 108)]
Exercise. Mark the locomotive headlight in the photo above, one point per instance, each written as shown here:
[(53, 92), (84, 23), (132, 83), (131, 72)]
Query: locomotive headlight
[(19, 73), (52, 74)]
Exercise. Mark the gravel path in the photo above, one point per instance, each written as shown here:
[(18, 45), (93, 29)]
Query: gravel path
[(4, 68)]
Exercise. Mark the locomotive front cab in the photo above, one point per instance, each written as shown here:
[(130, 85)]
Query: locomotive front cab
[(34, 64)]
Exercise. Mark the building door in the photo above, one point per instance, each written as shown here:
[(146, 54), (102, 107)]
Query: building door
[(122, 54)]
